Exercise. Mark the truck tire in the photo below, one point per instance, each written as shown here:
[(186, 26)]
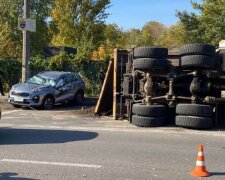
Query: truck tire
[(197, 49), (150, 52), (142, 121), (198, 61), (148, 64), (194, 122), (194, 110), (149, 110)]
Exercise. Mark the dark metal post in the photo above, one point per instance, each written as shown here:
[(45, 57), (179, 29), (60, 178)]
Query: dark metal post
[(26, 45)]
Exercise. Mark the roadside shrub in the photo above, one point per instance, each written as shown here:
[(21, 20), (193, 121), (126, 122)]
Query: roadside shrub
[(61, 62), (12, 70)]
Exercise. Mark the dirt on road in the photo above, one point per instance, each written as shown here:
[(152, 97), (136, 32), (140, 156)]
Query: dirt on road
[(4, 105), (87, 107)]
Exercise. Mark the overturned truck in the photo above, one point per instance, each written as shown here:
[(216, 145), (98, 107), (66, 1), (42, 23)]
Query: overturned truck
[(189, 87)]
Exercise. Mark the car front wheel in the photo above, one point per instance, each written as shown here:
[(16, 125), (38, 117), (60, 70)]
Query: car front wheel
[(48, 103)]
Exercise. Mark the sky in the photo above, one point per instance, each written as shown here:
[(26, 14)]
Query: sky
[(135, 13)]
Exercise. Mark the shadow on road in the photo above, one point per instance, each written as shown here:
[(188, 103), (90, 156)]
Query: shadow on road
[(217, 173), (39, 136), (87, 103), (11, 176)]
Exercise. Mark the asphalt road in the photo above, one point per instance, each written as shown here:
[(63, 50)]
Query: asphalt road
[(58, 145)]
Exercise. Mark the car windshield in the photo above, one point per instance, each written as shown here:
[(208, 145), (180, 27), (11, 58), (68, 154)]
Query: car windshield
[(41, 80)]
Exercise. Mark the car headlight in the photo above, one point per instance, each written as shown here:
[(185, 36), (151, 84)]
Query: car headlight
[(38, 89)]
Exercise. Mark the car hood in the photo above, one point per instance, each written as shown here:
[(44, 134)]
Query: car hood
[(26, 87)]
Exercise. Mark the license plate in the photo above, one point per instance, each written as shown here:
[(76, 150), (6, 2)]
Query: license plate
[(18, 99)]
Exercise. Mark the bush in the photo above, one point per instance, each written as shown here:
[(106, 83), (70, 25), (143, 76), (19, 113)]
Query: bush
[(12, 70)]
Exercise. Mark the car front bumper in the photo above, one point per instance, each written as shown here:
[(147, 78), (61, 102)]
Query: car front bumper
[(25, 101)]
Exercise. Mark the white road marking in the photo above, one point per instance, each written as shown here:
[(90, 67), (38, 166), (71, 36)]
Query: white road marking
[(51, 163)]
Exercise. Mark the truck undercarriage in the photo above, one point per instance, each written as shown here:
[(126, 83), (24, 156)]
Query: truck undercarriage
[(192, 89)]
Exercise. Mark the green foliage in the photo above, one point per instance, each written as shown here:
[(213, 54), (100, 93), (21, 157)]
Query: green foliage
[(151, 32), (61, 62), (113, 36), (89, 73), (149, 35), (84, 50), (79, 24), (191, 23), (174, 36), (132, 38), (207, 26), (40, 10), (11, 37), (11, 70)]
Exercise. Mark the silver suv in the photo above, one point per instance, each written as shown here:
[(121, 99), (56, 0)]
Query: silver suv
[(46, 89)]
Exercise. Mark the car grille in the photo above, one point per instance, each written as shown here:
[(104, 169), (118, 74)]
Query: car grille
[(20, 94)]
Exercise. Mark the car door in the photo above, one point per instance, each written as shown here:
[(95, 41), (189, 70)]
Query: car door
[(64, 89), (77, 83), (69, 86)]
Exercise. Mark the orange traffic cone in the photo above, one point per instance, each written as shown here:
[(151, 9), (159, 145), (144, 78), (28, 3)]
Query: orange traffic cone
[(200, 169)]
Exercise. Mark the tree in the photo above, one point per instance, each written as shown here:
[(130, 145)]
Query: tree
[(207, 26), (132, 38), (174, 36), (40, 10), (192, 25), (152, 32), (113, 38), (149, 35), (213, 20), (100, 54), (11, 37), (79, 23)]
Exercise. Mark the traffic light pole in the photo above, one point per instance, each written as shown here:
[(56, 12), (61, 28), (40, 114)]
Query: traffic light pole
[(26, 45)]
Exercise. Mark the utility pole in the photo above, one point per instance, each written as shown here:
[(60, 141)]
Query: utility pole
[(26, 45)]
